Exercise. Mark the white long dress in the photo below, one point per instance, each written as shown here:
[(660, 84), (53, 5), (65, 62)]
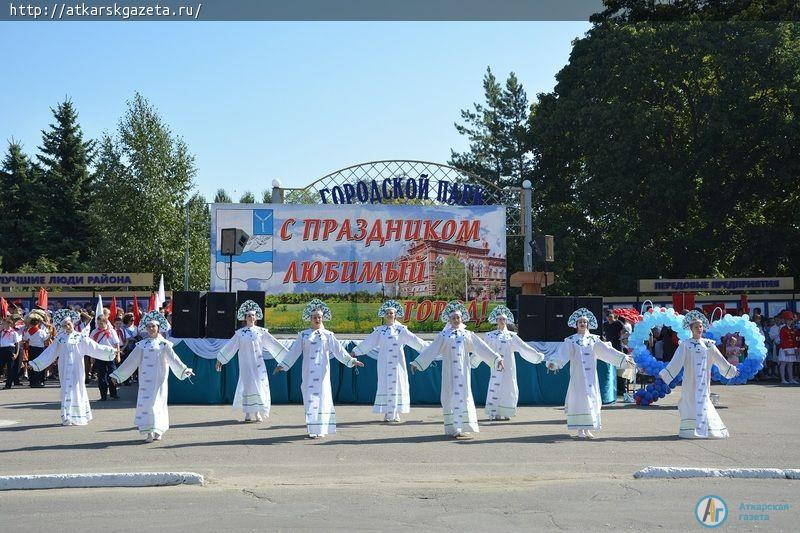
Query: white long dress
[(393, 395), (70, 348), (252, 390), (154, 358), (699, 419), (459, 348), (317, 347), (583, 400), (503, 393)]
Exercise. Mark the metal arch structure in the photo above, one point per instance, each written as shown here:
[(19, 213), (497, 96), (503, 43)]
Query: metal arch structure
[(511, 197)]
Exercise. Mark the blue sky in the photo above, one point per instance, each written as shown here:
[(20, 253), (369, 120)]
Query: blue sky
[(257, 101)]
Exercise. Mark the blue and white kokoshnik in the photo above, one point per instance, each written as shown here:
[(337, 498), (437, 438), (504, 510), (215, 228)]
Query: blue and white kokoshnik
[(63, 314), (693, 316), (501, 310), (453, 306), (153, 316), (316, 305), (581, 313), (391, 304), (249, 307)]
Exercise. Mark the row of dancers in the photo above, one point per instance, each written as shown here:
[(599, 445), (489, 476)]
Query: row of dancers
[(459, 349)]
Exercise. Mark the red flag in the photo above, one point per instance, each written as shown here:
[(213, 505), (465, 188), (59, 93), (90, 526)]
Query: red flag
[(112, 315), (152, 305), (3, 308), (137, 314), (678, 301), (42, 301)]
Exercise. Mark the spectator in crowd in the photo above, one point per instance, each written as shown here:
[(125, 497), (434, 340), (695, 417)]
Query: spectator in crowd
[(105, 335), (10, 342), (36, 337), (787, 354), (612, 331), (669, 340), (732, 349), (625, 334)]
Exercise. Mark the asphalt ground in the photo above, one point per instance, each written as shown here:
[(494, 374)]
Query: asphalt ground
[(528, 473)]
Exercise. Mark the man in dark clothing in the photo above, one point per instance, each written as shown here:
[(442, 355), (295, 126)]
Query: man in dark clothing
[(612, 330)]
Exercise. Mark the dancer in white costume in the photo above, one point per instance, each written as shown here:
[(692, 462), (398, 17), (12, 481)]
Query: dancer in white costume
[(582, 351), (154, 357), (316, 345), (252, 390), (503, 393), (459, 348), (69, 347), (699, 418), (392, 397)]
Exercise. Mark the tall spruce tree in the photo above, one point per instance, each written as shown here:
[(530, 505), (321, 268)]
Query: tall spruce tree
[(222, 197), (23, 233), (65, 158)]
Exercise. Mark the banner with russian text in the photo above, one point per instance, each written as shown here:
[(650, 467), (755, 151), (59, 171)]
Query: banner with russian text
[(356, 256)]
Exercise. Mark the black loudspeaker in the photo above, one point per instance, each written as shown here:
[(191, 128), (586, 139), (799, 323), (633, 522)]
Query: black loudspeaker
[(220, 315), (232, 241), (531, 317), (558, 310), (256, 296), (595, 305), (188, 314), (544, 248)]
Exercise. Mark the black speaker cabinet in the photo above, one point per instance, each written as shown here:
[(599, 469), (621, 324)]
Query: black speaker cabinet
[(188, 314), (220, 315), (531, 317), (232, 241), (595, 305), (256, 296), (558, 310)]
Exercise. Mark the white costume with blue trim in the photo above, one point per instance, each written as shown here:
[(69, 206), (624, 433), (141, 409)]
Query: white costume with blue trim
[(69, 349), (503, 393), (252, 390), (699, 418), (317, 347), (583, 401), (461, 350), (154, 358), (393, 395)]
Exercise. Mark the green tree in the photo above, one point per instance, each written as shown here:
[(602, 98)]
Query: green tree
[(451, 279), (152, 169), (266, 196), (671, 150), (500, 147), (222, 197), (697, 10), (199, 244), (247, 198), (65, 159), (22, 238)]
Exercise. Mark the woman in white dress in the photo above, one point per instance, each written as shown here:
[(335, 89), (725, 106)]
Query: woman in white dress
[(392, 397), (699, 418), (459, 348), (69, 347), (503, 393), (582, 350), (317, 345), (154, 357), (252, 390)]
